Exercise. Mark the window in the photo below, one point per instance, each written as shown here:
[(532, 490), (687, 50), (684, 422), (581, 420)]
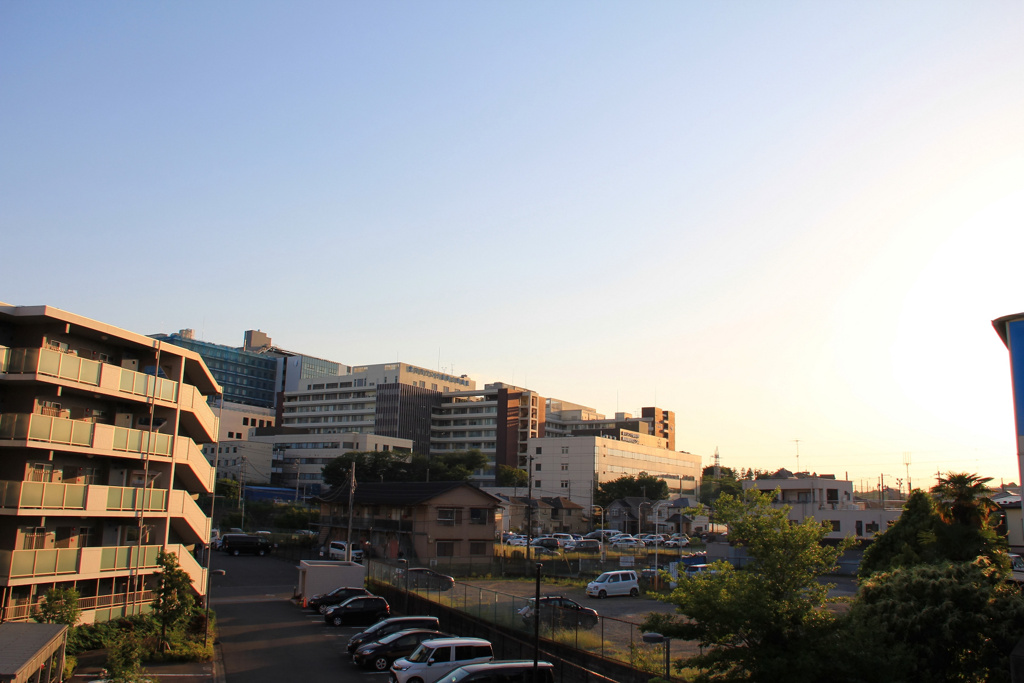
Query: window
[(449, 516), (872, 527), (565, 467), (834, 523), (445, 548), (245, 421), (231, 435), (832, 495), (565, 450), (565, 483), (538, 450), (478, 548), (478, 515), (537, 467), (536, 483)]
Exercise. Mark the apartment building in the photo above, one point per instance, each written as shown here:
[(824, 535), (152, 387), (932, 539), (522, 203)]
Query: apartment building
[(574, 466), (100, 433), (497, 420), (298, 457)]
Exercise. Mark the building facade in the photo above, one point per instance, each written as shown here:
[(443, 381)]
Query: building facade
[(574, 466), (827, 500), (497, 420), (100, 432)]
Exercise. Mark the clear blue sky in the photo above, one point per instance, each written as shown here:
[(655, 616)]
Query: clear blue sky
[(781, 220)]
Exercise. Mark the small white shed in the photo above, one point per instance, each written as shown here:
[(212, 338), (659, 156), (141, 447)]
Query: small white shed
[(323, 576)]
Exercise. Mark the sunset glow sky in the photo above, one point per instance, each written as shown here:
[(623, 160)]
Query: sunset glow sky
[(780, 220)]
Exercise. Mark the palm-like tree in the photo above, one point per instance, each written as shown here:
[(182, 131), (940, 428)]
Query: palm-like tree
[(963, 499)]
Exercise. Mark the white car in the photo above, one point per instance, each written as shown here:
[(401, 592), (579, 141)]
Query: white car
[(621, 582), (627, 543)]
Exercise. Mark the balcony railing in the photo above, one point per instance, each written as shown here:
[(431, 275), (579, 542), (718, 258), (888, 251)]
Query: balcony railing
[(69, 366), (36, 495), (59, 430)]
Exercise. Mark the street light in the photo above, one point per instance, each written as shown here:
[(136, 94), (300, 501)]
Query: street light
[(655, 638)]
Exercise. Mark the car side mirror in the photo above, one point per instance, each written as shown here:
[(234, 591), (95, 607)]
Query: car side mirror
[(430, 661)]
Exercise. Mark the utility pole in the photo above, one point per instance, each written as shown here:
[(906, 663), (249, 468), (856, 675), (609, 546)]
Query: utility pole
[(906, 463), (797, 442), (351, 500)]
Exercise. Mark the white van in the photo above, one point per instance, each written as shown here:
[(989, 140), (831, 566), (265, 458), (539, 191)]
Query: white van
[(336, 551), (614, 583), (436, 658)]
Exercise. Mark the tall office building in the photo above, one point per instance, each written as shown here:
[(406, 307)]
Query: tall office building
[(100, 433), (497, 420)]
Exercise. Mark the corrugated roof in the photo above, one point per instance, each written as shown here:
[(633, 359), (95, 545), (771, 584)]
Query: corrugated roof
[(397, 492), (24, 647)]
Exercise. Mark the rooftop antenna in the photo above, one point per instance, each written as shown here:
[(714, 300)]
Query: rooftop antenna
[(797, 442)]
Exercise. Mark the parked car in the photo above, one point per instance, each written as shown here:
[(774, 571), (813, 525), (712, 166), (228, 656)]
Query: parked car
[(427, 579), (549, 542), (621, 582), (695, 569), (504, 670), (678, 541), (336, 551), (559, 612), (587, 545), (517, 540), (237, 544), (365, 609), (434, 659), (337, 596), (653, 539), (379, 654), (542, 551), (627, 544), (392, 625)]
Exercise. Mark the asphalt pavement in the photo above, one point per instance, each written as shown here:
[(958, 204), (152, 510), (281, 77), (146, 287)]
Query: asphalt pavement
[(266, 637)]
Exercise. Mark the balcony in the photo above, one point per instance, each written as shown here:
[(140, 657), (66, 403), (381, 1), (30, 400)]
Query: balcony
[(112, 379), (54, 497), (85, 562), (61, 431), (68, 366)]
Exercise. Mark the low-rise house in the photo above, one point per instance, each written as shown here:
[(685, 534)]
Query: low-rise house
[(453, 521), (828, 500)]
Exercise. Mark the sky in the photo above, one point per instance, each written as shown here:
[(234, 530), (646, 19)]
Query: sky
[(790, 223)]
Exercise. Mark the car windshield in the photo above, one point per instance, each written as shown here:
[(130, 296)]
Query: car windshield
[(421, 654)]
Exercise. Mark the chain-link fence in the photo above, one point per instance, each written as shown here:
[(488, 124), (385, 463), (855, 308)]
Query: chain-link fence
[(608, 638)]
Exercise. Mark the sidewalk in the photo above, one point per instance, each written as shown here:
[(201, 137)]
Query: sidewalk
[(90, 664)]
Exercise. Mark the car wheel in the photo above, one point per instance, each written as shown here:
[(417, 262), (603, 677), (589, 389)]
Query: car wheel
[(602, 595), (322, 609), (337, 620), (261, 552), (381, 663), (235, 552), (633, 592)]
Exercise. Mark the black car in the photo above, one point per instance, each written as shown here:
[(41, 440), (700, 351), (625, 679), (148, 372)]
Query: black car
[(236, 544), (560, 612), (427, 579), (360, 610), (392, 625), (379, 654), (335, 597)]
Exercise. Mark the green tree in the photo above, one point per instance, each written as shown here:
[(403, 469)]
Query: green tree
[(394, 466), (643, 485), (511, 476), (173, 602), (227, 488), (963, 499), (711, 487), (59, 606), (124, 657), (765, 622), (924, 535), (939, 622)]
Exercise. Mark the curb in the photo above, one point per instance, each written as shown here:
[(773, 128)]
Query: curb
[(218, 664)]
